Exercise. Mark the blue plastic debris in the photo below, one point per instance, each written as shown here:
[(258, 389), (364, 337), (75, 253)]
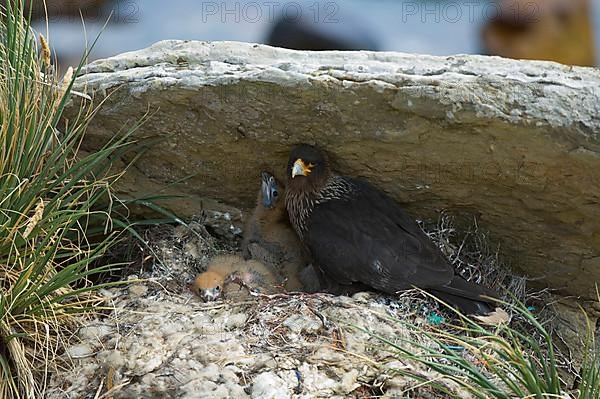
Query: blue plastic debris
[(435, 319)]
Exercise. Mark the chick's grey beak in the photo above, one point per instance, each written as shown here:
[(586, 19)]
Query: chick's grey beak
[(265, 176), (268, 188), (267, 199)]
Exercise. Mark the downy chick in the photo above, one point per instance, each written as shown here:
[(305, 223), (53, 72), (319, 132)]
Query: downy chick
[(230, 276)]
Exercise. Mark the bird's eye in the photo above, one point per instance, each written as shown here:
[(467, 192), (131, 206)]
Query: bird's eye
[(275, 193), (218, 288)]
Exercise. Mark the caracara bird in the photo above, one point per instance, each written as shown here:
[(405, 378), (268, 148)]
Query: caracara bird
[(356, 233), (230, 275), (270, 238)]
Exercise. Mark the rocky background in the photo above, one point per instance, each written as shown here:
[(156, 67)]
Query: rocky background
[(510, 145), (514, 143)]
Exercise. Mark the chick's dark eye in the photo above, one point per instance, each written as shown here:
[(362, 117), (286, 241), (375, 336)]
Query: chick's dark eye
[(275, 193), (218, 288)]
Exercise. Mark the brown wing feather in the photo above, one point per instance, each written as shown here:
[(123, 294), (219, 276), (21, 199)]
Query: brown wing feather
[(368, 238)]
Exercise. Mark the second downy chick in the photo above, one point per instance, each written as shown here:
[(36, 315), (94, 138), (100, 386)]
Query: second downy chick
[(231, 276)]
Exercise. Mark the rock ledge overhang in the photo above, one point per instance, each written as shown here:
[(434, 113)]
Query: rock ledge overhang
[(515, 143)]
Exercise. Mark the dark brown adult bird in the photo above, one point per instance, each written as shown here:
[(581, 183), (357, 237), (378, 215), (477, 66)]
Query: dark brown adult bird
[(357, 233)]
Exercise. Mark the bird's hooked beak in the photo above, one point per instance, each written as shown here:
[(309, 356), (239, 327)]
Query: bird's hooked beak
[(269, 190), (301, 169)]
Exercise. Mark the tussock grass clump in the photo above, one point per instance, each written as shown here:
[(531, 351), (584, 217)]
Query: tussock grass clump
[(463, 358), (503, 362), (52, 221)]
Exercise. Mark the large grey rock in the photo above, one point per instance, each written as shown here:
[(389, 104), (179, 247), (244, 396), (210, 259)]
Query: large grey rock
[(514, 143)]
